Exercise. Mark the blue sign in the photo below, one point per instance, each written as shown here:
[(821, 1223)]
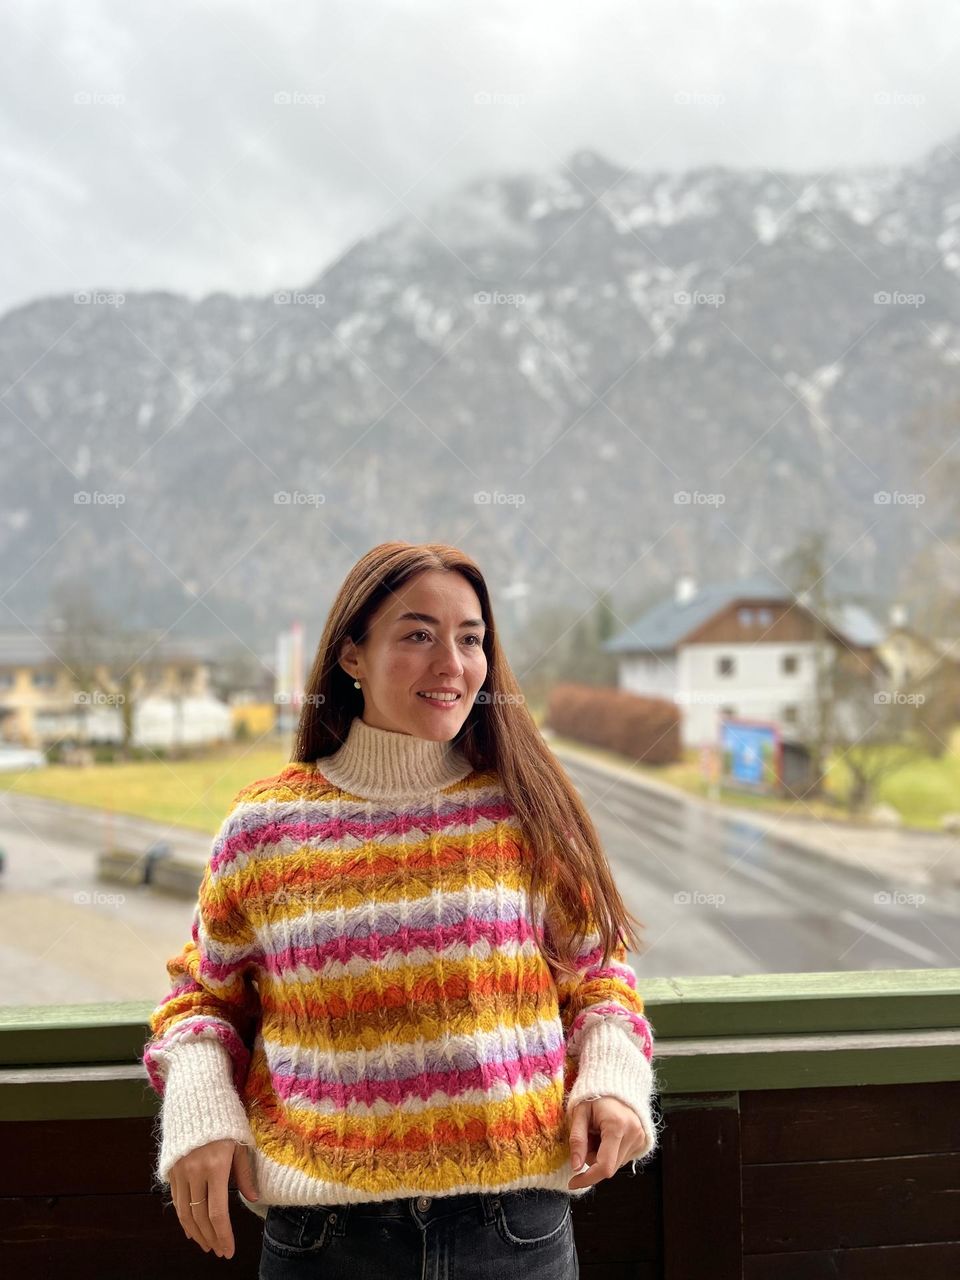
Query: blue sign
[(750, 752)]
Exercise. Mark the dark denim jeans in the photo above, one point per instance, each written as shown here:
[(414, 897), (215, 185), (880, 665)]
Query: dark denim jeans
[(513, 1235)]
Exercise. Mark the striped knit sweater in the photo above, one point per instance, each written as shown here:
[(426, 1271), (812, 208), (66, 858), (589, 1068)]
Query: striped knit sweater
[(363, 1001)]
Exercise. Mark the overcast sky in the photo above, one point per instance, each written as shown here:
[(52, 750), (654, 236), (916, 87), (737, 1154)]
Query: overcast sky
[(142, 144)]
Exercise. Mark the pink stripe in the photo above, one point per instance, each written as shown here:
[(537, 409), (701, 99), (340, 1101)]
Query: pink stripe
[(245, 841), (226, 1034), (373, 946), (638, 1024), (589, 968), (451, 1083)]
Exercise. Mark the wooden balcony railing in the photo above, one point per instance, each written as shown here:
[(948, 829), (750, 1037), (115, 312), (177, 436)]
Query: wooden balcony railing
[(812, 1129)]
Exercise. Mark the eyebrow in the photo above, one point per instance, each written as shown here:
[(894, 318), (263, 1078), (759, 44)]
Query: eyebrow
[(426, 617)]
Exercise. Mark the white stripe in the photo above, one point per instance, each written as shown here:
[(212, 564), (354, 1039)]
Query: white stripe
[(895, 939), (360, 968), (389, 1056)]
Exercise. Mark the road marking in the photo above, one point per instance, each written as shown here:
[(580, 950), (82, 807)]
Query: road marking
[(765, 877), (895, 939)]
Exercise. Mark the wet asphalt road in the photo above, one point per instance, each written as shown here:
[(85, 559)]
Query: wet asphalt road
[(717, 895), (721, 896)]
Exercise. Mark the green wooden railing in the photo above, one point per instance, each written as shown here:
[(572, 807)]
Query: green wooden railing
[(763, 1031)]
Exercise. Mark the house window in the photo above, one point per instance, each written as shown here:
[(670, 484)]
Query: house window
[(6, 679), (764, 617), (789, 664), (746, 617), (44, 679), (725, 666), (790, 714)]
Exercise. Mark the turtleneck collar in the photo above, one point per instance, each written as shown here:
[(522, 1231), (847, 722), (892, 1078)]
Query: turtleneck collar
[(381, 764)]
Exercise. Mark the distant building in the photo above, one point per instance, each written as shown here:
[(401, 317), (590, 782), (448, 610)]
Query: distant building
[(744, 648), (41, 703), (911, 657)]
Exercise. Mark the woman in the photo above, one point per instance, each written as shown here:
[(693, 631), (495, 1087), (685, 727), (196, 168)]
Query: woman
[(406, 994)]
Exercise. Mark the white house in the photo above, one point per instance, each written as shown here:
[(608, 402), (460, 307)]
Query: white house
[(745, 648)]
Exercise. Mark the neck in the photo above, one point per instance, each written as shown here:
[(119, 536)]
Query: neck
[(382, 764)]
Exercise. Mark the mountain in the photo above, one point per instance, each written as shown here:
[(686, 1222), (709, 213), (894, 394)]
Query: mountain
[(583, 345)]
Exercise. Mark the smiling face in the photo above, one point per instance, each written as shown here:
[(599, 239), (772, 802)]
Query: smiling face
[(403, 656)]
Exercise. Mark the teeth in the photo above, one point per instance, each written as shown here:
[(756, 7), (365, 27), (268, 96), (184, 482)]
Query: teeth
[(441, 697)]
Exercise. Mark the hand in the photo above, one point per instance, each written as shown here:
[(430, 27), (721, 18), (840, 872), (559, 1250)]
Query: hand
[(204, 1174), (620, 1131)]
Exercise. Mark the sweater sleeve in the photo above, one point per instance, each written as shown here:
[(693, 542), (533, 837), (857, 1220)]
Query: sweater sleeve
[(609, 1040), (202, 1031)]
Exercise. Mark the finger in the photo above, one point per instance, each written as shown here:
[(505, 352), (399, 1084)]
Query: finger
[(243, 1173), (639, 1142), (605, 1164), (218, 1209), (198, 1192), (578, 1136), (181, 1197)]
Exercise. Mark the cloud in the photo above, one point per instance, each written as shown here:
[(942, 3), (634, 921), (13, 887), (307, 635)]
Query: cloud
[(242, 146)]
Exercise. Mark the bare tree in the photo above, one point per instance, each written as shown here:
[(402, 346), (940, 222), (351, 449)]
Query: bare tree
[(881, 730), (855, 714), (108, 661), (805, 571)]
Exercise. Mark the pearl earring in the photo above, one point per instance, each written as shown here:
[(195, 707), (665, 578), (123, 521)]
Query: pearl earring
[(356, 684)]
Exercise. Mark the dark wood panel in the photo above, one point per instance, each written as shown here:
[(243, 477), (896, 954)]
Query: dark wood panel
[(76, 1157), (842, 1204), (781, 1125), (618, 1224), (895, 1262), (103, 1237), (700, 1155)]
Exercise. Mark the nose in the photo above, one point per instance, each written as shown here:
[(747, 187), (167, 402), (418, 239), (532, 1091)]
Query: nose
[(450, 664)]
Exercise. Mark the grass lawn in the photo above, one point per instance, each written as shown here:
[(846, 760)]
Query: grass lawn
[(921, 792), (189, 793), (196, 793)]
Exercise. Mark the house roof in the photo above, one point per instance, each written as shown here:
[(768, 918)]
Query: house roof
[(667, 624), (24, 648)]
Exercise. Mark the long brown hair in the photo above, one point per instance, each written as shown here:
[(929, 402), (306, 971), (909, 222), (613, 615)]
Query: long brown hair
[(498, 734)]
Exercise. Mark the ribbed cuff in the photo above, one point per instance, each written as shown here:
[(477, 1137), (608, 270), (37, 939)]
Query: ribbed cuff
[(612, 1064), (200, 1103)]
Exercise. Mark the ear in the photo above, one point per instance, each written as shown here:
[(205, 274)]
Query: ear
[(348, 658)]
